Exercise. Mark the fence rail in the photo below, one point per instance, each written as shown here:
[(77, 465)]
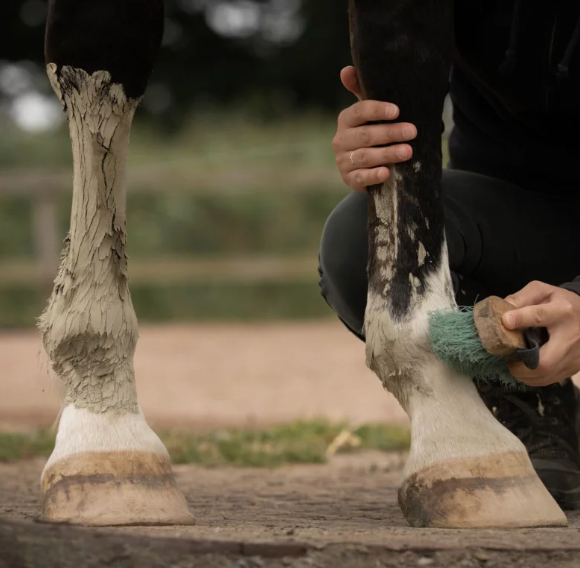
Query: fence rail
[(52, 183), (189, 175), (43, 190), (153, 271)]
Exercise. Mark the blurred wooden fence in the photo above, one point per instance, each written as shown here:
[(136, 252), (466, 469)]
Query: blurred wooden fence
[(42, 192), (44, 189)]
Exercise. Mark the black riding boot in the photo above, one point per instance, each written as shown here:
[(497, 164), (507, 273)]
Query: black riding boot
[(544, 419)]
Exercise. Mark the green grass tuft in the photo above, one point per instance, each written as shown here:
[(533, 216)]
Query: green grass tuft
[(301, 442), (15, 447), (384, 437)]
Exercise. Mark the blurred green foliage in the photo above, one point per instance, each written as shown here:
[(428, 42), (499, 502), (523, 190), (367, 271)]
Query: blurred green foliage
[(299, 442), (180, 224), (177, 302), (225, 187), (276, 207)]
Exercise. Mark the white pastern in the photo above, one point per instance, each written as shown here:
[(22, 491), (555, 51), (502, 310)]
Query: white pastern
[(81, 430), (450, 421)]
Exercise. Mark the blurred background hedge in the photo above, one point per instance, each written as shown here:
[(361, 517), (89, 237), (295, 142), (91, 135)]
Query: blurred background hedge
[(231, 176)]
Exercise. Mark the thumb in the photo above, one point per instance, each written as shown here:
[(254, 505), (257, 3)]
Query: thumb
[(349, 79), (527, 303)]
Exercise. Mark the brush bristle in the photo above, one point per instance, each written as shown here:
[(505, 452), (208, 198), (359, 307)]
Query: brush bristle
[(455, 341)]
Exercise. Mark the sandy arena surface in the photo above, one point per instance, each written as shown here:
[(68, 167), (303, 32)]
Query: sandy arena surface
[(217, 375), (341, 515)]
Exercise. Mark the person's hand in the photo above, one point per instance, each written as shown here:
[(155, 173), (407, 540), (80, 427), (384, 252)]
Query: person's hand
[(359, 156), (558, 310)]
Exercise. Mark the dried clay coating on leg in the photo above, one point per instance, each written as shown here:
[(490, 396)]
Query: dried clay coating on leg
[(89, 328)]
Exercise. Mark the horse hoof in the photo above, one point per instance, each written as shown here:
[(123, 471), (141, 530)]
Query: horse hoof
[(113, 488), (497, 491)]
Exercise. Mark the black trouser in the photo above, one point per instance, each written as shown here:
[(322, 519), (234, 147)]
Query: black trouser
[(500, 238)]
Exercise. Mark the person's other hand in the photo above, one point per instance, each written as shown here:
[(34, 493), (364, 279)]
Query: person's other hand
[(363, 150), (558, 310)]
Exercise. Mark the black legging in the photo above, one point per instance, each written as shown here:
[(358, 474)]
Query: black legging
[(500, 238)]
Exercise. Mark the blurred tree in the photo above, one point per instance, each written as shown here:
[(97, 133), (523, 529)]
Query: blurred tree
[(275, 56)]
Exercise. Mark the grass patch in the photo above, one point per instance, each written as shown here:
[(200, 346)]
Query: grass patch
[(384, 437), (15, 447), (302, 442)]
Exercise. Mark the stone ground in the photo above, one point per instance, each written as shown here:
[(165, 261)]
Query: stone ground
[(340, 515), (343, 514)]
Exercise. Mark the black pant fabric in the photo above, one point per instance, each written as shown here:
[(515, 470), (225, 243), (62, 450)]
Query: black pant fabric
[(500, 238)]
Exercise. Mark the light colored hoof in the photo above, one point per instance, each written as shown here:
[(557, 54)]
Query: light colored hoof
[(113, 488), (497, 491)]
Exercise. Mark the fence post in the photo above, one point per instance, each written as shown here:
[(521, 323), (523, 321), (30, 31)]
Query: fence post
[(46, 236)]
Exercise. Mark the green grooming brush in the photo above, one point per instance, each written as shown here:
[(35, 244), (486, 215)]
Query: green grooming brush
[(473, 340)]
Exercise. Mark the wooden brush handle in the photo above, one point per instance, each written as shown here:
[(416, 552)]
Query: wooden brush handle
[(495, 337)]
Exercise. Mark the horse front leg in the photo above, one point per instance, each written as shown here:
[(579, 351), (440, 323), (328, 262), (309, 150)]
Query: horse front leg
[(464, 468), (108, 467)]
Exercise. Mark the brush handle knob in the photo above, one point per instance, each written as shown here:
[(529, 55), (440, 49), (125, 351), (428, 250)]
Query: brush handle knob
[(495, 337)]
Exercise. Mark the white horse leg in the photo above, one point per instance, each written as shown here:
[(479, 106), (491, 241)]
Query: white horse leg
[(464, 468), (108, 467)]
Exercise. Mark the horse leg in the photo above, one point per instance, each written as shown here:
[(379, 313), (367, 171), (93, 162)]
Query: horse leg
[(108, 467), (464, 468)]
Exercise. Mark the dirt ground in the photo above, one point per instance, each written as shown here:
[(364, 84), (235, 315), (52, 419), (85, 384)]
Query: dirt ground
[(343, 514)]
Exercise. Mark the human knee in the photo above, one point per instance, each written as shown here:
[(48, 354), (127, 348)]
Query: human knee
[(343, 259)]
